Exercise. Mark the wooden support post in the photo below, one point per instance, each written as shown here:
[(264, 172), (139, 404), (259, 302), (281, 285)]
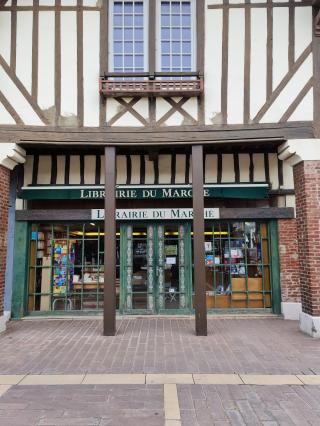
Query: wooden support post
[(109, 309), (198, 241)]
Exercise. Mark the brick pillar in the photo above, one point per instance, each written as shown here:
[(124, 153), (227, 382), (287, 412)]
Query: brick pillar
[(307, 188), (4, 207), (289, 269)]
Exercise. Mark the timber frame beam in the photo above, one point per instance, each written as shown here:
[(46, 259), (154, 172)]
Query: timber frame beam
[(191, 135)]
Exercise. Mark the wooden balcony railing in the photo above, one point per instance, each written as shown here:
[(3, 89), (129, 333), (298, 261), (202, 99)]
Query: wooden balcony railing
[(144, 84)]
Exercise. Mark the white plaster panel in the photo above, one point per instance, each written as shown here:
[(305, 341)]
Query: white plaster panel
[(289, 93), (258, 72), (180, 168), (303, 29), (149, 170), (68, 64), (244, 166), (47, 2), (24, 2), (211, 168), (164, 168), (17, 100), (191, 107), (61, 162), (28, 170), (89, 169), (228, 174), (273, 170), (304, 111), (135, 169), (5, 117), (5, 35), (112, 108), (213, 65), (162, 107), (259, 174), (280, 43), (121, 169), (175, 119), (209, 2), (291, 201), (46, 60), (91, 65), (236, 66), (74, 176), (44, 170), (24, 48), (128, 120), (68, 2), (142, 107), (102, 174), (90, 3), (288, 182), (281, 201)]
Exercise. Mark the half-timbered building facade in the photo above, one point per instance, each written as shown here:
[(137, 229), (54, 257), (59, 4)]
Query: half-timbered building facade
[(160, 157)]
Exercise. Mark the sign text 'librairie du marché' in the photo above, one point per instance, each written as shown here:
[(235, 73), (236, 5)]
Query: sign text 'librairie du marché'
[(155, 214)]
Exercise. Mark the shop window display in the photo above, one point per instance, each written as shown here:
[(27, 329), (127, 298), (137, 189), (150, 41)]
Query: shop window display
[(237, 265), (66, 267)]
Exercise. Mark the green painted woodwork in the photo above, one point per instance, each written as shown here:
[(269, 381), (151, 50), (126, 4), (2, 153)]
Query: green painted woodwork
[(246, 191), (20, 270), (275, 267)]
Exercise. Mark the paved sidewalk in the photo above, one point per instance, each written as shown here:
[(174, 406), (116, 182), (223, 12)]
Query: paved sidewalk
[(155, 371), (158, 345)]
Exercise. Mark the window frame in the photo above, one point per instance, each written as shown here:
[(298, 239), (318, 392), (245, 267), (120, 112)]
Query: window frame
[(145, 35), (193, 36)]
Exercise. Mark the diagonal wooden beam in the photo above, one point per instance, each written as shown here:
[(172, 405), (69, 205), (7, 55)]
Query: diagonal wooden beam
[(283, 83), (15, 80), (297, 101), (10, 109), (123, 110), (133, 111), (168, 114), (179, 108)]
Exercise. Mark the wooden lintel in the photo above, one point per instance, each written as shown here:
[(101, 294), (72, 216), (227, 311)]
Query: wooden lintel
[(273, 133), (85, 214)]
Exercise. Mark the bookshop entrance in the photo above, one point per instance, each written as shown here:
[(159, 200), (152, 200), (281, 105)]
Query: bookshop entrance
[(156, 268)]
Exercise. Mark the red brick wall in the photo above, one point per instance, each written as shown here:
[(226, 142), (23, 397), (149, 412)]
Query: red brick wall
[(289, 261), (4, 205), (307, 187)]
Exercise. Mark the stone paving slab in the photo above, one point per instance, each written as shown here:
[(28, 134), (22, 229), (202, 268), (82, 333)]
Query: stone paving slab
[(158, 345), (115, 405), (204, 405)]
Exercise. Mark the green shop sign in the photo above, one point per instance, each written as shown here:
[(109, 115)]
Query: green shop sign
[(141, 192)]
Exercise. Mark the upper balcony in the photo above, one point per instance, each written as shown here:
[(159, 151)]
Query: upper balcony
[(164, 84)]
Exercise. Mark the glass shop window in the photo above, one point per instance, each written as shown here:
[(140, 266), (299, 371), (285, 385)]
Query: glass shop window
[(66, 267), (237, 264)]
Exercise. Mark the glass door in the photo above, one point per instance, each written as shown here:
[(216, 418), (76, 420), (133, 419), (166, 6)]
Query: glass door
[(155, 276)]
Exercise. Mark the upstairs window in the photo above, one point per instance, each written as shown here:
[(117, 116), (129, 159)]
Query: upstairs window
[(176, 35), (128, 35)]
